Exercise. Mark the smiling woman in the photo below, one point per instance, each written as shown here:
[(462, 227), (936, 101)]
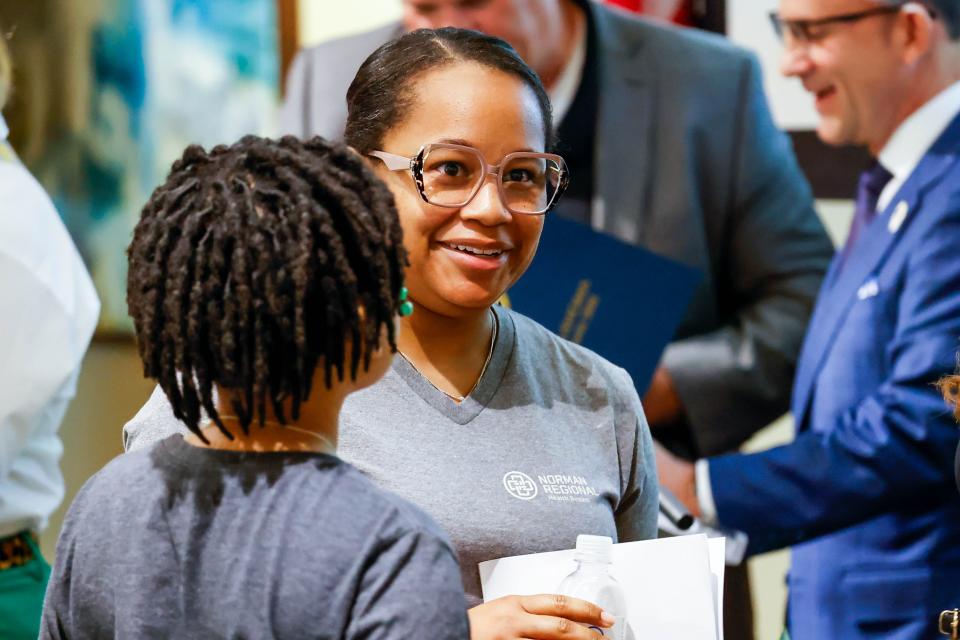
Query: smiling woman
[(452, 278), (483, 409)]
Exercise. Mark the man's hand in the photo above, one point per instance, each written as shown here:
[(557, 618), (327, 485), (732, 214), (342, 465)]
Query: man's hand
[(542, 617), (679, 477), (661, 404)]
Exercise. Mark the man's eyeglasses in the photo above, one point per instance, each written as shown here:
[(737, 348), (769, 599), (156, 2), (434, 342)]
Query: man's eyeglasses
[(450, 175), (813, 29)]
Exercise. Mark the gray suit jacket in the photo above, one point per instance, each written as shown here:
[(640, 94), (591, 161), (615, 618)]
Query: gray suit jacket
[(689, 164)]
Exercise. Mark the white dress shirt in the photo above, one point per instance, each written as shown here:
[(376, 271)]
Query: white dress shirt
[(900, 156), (48, 311), (914, 137)]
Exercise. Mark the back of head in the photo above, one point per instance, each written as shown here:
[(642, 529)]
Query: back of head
[(383, 90), (248, 270), (6, 69)]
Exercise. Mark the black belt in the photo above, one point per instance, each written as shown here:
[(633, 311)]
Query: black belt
[(16, 550)]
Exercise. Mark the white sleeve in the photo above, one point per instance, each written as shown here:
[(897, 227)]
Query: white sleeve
[(48, 310)]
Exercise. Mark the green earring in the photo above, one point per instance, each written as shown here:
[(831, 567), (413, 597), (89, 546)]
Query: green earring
[(406, 307)]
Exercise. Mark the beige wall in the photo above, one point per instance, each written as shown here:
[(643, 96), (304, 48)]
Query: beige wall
[(319, 20)]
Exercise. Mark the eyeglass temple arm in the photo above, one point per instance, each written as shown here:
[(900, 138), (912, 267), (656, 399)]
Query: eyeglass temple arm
[(392, 160)]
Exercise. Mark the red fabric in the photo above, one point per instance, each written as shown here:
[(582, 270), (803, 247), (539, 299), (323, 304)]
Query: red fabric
[(684, 14), (632, 5)]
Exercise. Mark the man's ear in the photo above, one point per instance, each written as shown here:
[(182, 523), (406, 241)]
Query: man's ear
[(920, 31)]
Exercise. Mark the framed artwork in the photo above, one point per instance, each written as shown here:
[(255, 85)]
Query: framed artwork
[(136, 81)]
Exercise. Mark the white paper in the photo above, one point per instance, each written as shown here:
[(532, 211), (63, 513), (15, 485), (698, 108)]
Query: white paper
[(673, 586), (735, 548), (718, 564)]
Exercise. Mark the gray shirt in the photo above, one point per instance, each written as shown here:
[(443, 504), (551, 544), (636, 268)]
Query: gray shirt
[(551, 443), (176, 541)]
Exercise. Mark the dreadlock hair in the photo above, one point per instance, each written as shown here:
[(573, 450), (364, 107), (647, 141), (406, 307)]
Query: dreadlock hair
[(249, 266)]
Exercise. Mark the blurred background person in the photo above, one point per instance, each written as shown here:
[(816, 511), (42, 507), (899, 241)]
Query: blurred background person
[(460, 424), (49, 314), (670, 147), (865, 492)]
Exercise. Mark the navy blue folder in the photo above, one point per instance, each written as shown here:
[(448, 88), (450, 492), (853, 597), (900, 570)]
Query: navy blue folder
[(619, 300)]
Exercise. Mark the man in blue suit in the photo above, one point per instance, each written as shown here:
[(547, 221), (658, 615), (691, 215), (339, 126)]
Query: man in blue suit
[(865, 491)]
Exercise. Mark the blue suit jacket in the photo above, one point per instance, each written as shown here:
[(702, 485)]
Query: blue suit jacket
[(865, 492)]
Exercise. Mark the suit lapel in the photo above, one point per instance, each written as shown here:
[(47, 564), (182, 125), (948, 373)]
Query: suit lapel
[(843, 285), (623, 130)]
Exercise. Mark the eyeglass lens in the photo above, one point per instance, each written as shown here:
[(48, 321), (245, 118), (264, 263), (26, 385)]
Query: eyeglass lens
[(528, 183)]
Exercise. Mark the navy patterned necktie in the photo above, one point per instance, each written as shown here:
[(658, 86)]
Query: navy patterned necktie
[(872, 182)]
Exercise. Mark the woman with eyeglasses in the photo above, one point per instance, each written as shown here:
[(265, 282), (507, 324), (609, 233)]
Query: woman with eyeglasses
[(512, 438)]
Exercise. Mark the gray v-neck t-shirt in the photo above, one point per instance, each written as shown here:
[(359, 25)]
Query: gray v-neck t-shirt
[(551, 443)]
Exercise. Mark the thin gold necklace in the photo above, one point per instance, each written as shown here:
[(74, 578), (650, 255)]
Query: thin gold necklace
[(453, 396), (329, 447)]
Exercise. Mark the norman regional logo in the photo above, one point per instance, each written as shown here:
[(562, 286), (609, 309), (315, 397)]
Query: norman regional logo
[(556, 487), (520, 485)]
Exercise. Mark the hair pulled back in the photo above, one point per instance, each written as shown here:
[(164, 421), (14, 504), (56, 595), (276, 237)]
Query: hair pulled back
[(382, 92)]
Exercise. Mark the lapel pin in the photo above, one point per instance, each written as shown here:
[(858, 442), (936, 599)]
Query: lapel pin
[(898, 216), (868, 290)]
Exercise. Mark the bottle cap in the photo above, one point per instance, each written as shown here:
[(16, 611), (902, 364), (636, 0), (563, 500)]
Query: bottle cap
[(594, 549)]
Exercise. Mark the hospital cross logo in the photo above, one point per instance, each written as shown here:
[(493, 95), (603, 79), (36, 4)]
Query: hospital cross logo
[(520, 485)]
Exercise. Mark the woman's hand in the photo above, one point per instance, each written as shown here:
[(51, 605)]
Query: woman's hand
[(543, 617)]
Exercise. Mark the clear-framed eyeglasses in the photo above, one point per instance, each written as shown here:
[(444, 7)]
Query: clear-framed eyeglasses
[(450, 175)]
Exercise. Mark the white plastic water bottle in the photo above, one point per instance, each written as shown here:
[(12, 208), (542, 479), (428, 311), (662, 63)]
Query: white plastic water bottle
[(591, 581)]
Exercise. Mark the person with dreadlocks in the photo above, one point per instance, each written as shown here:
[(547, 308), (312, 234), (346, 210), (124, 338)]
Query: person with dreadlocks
[(514, 439), (265, 279)]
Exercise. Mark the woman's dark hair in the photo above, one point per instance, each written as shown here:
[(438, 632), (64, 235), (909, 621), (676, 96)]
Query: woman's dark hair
[(249, 266), (382, 92)]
